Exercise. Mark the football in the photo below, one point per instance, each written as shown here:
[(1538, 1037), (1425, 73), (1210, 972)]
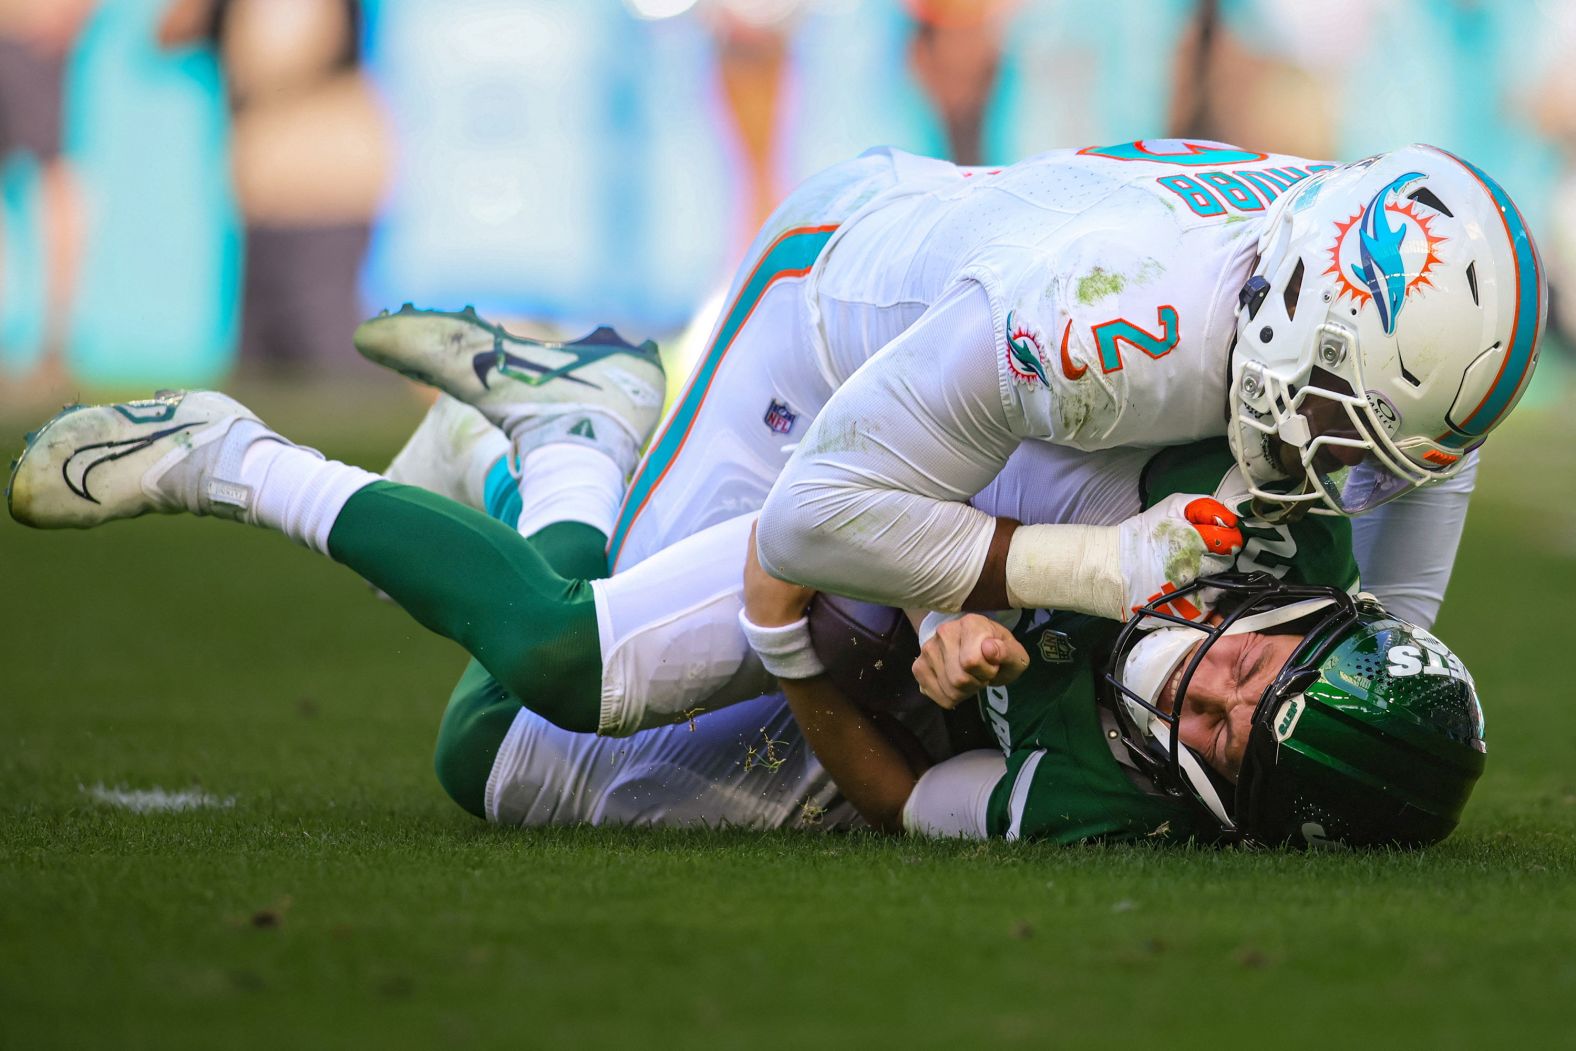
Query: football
[(868, 651)]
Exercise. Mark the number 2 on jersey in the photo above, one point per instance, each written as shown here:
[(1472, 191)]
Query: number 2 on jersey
[(1108, 335)]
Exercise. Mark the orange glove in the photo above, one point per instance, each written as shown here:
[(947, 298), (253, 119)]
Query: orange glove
[(1172, 544), (1216, 524)]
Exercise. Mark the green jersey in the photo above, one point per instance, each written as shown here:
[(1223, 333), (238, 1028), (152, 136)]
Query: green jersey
[(1067, 776)]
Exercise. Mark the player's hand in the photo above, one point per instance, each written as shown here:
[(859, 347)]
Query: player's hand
[(1174, 543), (770, 602), (966, 655)]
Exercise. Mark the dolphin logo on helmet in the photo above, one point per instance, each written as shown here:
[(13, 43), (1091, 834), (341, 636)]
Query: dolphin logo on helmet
[(1307, 349), (1382, 269)]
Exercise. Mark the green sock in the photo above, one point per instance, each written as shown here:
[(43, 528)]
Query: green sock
[(476, 581)]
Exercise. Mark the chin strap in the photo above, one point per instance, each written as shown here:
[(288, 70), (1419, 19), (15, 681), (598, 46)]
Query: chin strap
[(1197, 777)]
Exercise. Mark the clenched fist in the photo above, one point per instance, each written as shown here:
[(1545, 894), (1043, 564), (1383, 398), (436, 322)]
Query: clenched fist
[(966, 655)]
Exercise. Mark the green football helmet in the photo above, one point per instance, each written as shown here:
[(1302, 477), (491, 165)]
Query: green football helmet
[(1371, 734)]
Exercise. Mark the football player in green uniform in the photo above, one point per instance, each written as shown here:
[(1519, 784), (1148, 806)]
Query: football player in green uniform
[(1303, 716)]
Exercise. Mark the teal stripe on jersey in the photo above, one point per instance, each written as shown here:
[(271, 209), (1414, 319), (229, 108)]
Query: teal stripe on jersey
[(1522, 355), (790, 255)]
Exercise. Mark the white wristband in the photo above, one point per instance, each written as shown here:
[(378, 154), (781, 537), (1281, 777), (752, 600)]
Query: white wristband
[(785, 652), (1071, 567)]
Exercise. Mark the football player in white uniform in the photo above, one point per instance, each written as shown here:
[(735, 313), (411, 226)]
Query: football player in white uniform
[(903, 324)]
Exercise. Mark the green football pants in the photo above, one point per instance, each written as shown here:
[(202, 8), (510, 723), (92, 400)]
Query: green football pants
[(476, 581)]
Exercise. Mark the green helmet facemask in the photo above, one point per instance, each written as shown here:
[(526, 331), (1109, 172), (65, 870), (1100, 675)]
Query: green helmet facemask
[(1370, 734)]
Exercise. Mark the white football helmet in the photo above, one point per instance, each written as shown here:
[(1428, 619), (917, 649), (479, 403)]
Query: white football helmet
[(1393, 319)]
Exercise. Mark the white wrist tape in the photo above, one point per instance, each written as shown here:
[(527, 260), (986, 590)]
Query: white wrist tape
[(1069, 567), (785, 652)]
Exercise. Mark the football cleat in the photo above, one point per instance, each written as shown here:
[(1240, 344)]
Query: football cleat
[(449, 453), (174, 452), (600, 389)]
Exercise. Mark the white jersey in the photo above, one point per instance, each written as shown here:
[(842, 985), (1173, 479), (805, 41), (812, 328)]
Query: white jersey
[(1112, 279), (1085, 298), (867, 333)]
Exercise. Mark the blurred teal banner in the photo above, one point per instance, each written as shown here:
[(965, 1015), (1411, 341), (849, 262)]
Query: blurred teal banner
[(147, 133)]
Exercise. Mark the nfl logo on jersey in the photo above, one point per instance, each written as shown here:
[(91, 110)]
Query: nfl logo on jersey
[(779, 417), (1056, 647)]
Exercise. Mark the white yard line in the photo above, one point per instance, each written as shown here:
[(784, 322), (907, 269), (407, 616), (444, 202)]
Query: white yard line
[(155, 800)]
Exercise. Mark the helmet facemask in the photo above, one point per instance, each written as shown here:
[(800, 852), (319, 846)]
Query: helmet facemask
[(1156, 643), (1347, 460), (1369, 733)]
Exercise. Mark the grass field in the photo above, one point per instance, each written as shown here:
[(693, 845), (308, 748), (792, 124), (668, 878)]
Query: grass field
[(332, 896)]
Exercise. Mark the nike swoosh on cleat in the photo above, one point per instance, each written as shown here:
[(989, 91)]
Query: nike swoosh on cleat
[(119, 449), (506, 363)]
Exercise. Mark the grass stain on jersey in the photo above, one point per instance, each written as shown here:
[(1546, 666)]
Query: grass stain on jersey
[(1099, 283), (1078, 403), (838, 440)]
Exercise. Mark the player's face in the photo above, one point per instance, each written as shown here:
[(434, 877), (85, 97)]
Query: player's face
[(1217, 713), (1325, 417)]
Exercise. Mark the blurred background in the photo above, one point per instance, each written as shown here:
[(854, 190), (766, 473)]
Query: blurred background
[(198, 191)]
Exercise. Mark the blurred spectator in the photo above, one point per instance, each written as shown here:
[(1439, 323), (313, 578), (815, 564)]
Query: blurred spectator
[(955, 54), (40, 201), (309, 160), (751, 60), (145, 129)]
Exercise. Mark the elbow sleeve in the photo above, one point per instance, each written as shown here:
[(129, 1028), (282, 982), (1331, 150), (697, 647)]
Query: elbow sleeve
[(873, 502), (877, 545)]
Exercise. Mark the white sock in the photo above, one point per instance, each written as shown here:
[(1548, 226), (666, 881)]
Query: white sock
[(564, 482), (297, 492)]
